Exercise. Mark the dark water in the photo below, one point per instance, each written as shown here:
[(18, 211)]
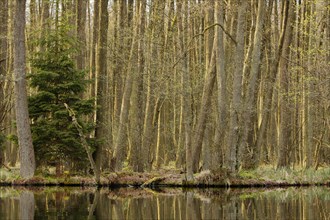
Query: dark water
[(165, 203)]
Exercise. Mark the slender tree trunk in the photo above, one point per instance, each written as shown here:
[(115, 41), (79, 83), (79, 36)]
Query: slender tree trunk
[(93, 49), (103, 129), (221, 78), (137, 96), (3, 66), (81, 6), (27, 158), (285, 111), (119, 145), (186, 103), (270, 81), (235, 153), (250, 108), (203, 112), (210, 74)]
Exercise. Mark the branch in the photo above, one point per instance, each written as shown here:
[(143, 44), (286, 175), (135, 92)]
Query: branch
[(223, 29), (201, 34), (84, 142)]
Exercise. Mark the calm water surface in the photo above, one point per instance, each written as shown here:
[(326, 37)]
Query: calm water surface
[(164, 203)]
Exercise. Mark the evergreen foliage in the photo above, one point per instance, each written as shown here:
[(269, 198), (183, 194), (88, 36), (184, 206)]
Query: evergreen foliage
[(56, 81)]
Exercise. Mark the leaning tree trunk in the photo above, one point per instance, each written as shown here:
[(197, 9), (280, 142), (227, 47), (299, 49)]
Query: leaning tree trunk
[(27, 157)]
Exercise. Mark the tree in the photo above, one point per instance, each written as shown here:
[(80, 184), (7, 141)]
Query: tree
[(27, 157), (57, 81), (233, 141), (250, 109), (103, 128)]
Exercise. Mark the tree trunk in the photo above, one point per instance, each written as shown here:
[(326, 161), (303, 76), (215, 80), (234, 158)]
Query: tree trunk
[(235, 153), (103, 129), (285, 111), (119, 145), (185, 86), (81, 6), (27, 158), (206, 100), (250, 108), (221, 77), (137, 96), (270, 81)]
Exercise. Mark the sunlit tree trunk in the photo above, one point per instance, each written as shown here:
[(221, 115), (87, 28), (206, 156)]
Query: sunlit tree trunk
[(269, 86), (285, 111), (250, 108)]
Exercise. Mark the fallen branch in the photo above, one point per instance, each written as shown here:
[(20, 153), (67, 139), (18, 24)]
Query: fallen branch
[(153, 181), (84, 143), (6, 166)]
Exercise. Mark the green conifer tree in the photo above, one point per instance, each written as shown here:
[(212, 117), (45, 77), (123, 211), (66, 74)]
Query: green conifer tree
[(56, 81)]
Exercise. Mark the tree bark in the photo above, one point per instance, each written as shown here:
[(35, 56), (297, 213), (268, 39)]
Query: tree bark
[(119, 145), (81, 6), (285, 112), (103, 128), (250, 108), (27, 158), (235, 129), (221, 78), (137, 96)]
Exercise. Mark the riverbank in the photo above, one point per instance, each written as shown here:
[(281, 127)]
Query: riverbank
[(261, 177)]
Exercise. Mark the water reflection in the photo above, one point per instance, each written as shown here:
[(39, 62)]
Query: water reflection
[(168, 203)]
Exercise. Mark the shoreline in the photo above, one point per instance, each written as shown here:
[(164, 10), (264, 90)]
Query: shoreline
[(148, 180)]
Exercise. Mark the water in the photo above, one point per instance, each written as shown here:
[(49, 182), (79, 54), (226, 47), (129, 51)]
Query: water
[(164, 203)]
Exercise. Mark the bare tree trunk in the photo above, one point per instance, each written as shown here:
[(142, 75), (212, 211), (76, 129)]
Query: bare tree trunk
[(270, 81), (119, 144), (285, 113), (137, 96), (235, 153), (221, 86), (250, 108), (202, 116), (103, 129), (182, 14), (27, 158), (81, 6), (3, 66), (210, 74), (93, 49)]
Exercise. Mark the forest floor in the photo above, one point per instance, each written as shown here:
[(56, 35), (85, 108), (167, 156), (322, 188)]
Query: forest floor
[(265, 176)]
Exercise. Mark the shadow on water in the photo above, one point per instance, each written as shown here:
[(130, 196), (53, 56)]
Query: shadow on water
[(164, 203)]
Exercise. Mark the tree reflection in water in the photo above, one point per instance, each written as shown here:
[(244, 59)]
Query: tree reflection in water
[(165, 203)]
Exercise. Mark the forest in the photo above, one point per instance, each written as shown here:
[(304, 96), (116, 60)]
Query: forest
[(92, 87)]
